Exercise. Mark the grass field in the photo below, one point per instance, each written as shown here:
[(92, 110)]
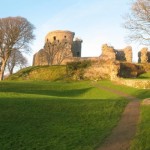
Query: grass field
[(144, 76), (140, 93), (142, 139), (56, 115)]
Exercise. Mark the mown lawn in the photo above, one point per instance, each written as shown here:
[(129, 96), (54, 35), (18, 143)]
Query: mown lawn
[(140, 93), (56, 115), (142, 139)]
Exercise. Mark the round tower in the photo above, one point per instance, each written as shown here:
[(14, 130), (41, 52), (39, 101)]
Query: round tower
[(60, 35)]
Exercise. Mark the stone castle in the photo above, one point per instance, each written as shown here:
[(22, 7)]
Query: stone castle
[(144, 56), (108, 52), (59, 36)]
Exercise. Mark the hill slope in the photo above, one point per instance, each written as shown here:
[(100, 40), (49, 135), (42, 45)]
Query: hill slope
[(51, 73)]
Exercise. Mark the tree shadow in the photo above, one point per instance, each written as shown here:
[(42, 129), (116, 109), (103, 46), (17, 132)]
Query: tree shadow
[(28, 88)]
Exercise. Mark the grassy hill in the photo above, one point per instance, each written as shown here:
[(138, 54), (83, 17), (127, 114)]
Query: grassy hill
[(51, 73), (45, 115), (63, 115)]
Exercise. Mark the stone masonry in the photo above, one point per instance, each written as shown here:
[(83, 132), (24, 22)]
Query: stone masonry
[(109, 53), (144, 56), (39, 58)]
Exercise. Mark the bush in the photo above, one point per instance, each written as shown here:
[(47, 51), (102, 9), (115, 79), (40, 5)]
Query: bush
[(130, 70), (76, 69)]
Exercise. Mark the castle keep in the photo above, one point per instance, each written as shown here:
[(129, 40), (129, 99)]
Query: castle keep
[(59, 36)]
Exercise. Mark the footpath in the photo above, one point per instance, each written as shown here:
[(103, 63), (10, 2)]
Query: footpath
[(123, 133)]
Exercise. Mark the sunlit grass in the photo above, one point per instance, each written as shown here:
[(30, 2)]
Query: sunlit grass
[(144, 76), (56, 115), (142, 139), (140, 93)]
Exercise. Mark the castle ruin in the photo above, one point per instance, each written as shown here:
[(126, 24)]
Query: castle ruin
[(74, 50), (109, 53), (144, 56)]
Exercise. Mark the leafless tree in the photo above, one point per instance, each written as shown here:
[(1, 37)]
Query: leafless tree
[(16, 59), (15, 33), (138, 22), (57, 51)]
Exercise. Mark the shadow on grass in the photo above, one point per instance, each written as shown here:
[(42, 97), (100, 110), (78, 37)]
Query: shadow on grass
[(59, 93), (47, 90), (37, 123)]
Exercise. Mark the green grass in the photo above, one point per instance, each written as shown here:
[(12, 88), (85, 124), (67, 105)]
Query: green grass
[(140, 93), (142, 139), (144, 76), (56, 115), (51, 73)]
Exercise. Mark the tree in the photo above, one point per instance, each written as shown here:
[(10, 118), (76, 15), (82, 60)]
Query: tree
[(15, 33), (138, 22), (57, 51), (16, 59)]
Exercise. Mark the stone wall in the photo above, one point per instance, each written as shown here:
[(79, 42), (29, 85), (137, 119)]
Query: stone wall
[(40, 58), (144, 56), (136, 83), (76, 47), (60, 35), (109, 53), (101, 70)]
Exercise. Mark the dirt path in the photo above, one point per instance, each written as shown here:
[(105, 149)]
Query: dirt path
[(124, 132)]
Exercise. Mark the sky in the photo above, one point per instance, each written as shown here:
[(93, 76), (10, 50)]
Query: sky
[(96, 22)]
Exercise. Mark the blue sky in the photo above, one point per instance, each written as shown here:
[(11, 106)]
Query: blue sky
[(96, 22)]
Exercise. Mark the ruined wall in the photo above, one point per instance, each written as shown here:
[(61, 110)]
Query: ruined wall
[(102, 70), (136, 83), (39, 58), (109, 53), (76, 47), (144, 56)]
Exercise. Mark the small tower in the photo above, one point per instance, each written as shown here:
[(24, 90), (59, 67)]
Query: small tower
[(76, 47)]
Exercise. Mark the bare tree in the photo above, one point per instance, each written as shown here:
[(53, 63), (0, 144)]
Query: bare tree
[(15, 33), (138, 22), (57, 51), (16, 59)]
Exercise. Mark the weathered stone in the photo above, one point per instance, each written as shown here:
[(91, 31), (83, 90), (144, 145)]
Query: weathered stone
[(111, 54), (142, 84), (128, 53), (101, 70), (60, 35), (124, 54), (108, 53), (40, 58), (144, 56)]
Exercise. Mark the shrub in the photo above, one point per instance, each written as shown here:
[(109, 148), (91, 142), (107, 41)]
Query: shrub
[(130, 70), (76, 69)]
